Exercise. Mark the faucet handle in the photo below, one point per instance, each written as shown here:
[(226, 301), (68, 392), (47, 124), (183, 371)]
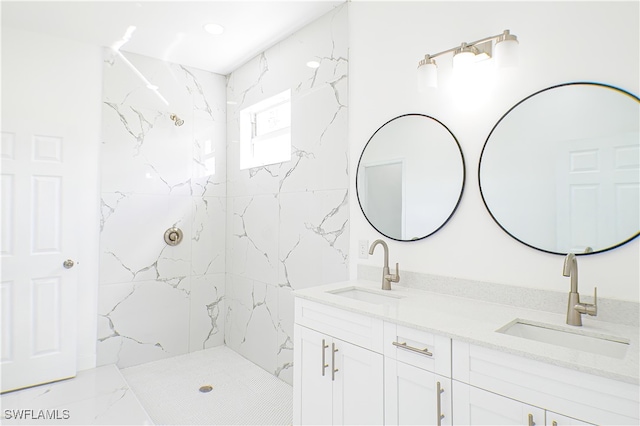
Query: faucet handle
[(589, 308), (394, 278)]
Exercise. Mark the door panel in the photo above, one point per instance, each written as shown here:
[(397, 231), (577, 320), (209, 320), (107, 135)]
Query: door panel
[(358, 396), (411, 395), (475, 406), (597, 192), (38, 293), (314, 387)]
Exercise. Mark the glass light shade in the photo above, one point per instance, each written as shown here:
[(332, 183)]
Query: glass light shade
[(506, 53), (463, 60), (427, 77)]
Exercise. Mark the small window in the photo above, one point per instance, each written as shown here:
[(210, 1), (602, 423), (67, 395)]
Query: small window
[(265, 132)]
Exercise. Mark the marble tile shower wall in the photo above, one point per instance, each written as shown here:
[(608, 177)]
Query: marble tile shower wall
[(155, 300), (287, 224)]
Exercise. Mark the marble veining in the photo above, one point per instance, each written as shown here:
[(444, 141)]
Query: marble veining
[(156, 300), (142, 128), (263, 68), (288, 223), (250, 236), (328, 234), (299, 155), (193, 86)]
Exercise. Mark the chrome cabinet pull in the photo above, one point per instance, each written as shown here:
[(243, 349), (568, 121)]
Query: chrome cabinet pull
[(439, 392), (531, 422), (404, 345), (554, 423), (334, 370), (324, 364)]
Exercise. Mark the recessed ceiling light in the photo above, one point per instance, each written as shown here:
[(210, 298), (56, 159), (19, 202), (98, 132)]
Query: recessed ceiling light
[(214, 29), (313, 64)]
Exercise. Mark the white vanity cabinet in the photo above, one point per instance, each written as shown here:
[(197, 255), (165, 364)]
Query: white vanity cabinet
[(487, 381), (359, 365), (339, 371), (417, 383)]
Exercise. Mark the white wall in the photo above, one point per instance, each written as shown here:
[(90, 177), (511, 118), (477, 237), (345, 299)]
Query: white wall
[(51, 78), (559, 42)]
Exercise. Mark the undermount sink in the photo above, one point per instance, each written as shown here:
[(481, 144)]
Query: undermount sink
[(582, 341), (370, 296)]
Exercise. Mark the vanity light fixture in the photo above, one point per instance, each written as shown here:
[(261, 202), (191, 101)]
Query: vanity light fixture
[(505, 52)]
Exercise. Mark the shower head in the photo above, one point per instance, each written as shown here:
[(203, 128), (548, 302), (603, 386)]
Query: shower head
[(177, 120)]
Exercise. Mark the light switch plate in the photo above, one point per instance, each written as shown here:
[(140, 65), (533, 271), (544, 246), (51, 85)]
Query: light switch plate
[(363, 249)]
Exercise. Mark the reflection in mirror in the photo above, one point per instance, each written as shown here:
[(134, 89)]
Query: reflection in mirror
[(560, 170), (410, 177)]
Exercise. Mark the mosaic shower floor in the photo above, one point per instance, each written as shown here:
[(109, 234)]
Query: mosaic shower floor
[(241, 392)]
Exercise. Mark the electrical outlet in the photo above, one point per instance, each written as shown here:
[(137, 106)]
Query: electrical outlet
[(363, 249)]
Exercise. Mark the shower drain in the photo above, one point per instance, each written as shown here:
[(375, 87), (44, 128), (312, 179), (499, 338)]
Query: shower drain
[(206, 388)]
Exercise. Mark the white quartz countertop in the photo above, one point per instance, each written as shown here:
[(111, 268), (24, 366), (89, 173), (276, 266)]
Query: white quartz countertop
[(475, 321)]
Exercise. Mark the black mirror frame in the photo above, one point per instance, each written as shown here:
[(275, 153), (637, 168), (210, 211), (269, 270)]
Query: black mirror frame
[(489, 136), (462, 186)]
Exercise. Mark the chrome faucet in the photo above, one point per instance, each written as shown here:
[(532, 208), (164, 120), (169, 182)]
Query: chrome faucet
[(575, 309), (387, 278)]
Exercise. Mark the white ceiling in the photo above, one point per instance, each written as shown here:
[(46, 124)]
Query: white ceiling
[(171, 30)]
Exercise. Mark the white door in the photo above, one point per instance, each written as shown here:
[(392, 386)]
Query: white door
[(473, 406), (597, 192), (312, 377), (358, 385), (38, 292), (384, 197), (411, 395)]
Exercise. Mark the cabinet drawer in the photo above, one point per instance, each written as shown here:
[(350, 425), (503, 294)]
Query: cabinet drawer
[(583, 396), (358, 329), (419, 348)]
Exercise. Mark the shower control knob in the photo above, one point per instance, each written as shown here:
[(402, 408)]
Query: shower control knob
[(68, 264), (173, 236)]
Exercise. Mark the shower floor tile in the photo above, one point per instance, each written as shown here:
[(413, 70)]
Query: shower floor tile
[(93, 397), (242, 392)]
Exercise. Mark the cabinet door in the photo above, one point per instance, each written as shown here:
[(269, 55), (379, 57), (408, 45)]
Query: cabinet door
[(555, 419), (358, 386), (473, 406), (312, 389), (412, 395)]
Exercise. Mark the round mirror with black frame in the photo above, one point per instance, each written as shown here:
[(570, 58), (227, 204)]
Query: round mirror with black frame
[(410, 177), (560, 170)]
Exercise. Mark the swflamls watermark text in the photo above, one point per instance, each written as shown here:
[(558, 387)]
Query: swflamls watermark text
[(23, 414)]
